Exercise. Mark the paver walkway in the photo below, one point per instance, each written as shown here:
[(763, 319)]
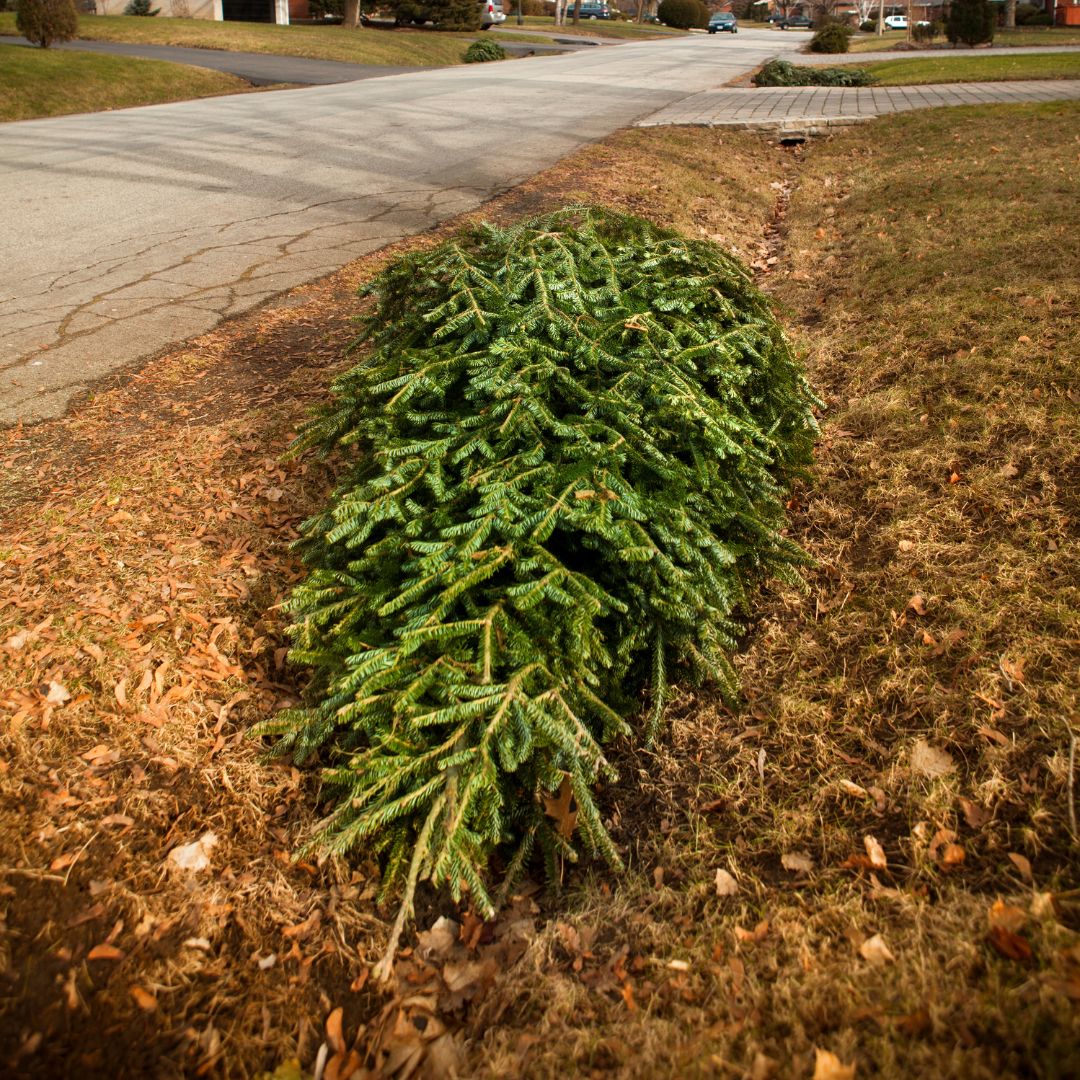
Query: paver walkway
[(804, 108)]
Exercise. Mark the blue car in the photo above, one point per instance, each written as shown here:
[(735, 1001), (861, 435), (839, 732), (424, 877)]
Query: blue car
[(723, 20)]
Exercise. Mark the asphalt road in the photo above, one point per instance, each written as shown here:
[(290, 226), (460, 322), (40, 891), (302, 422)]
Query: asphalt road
[(132, 230), (259, 69)]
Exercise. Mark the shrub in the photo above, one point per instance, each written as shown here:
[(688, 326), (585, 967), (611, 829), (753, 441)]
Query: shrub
[(832, 38), (1025, 11), (42, 22), (319, 9), (480, 52), (683, 14), (445, 14), (1041, 18), (868, 26), (567, 459), (970, 22), (140, 7), (784, 73), (927, 33)]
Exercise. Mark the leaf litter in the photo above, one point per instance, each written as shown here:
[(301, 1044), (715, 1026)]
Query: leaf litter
[(151, 603)]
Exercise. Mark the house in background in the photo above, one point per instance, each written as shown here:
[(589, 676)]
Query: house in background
[(1066, 12)]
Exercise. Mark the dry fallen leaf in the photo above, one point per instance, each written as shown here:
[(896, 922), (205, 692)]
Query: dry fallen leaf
[(726, 885), (57, 694), (798, 862), (876, 952), (105, 952), (1006, 916), (918, 604), (930, 761), (194, 857), (876, 853), (943, 840), (1011, 946), (753, 937), (1023, 865), (437, 942), (143, 998), (1013, 670), (827, 1066), (335, 1036), (976, 816), (563, 808)]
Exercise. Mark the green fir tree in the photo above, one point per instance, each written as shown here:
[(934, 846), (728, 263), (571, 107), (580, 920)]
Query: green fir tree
[(568, 451)]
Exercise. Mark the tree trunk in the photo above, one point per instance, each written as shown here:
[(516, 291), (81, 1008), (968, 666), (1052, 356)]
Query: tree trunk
[(1010, 14), (351, 18)]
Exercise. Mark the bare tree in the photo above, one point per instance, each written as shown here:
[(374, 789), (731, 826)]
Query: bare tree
[(1010, 14)]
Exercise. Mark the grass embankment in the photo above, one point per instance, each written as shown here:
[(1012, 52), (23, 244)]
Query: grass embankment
[(952, 69), (608, 28), (920, 692), (1020, 37), (40, 82), (404, 47)]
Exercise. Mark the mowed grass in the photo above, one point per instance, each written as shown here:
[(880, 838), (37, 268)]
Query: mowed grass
[(975, 69), (404, 47), (609, 28), (50, 82), (919, 694), (901, 761), (1047, 35)]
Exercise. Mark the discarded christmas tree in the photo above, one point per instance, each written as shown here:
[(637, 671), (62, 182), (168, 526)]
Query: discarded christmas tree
[(568, 450)]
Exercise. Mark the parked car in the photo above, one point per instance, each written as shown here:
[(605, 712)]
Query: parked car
[(590, 11), (896, 22), (723, 20), (491, 14), (795, 22)]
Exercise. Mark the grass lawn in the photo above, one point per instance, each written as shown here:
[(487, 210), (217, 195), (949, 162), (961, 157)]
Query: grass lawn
[(1049, 35), (893, 795), (598, 28), (976, 69), (47, 82), (403, 47)]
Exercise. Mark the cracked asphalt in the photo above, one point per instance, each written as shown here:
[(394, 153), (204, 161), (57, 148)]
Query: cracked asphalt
[(130, 231)]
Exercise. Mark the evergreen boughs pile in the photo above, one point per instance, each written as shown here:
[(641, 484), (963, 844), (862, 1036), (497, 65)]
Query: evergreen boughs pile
[(784, 73), (568, 452), (480, 52)]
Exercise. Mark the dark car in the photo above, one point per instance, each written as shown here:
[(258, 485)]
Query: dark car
[(723, 20), (590, 11), (795, 22)]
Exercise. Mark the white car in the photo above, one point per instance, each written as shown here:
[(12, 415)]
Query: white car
[(491, 13), (896, 22)]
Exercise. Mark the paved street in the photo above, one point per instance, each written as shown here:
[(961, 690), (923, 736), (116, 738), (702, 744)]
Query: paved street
[(259, 69), (126, 232), (131, 230)]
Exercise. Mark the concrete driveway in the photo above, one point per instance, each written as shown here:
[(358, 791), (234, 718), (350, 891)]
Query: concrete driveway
[(128, 231)]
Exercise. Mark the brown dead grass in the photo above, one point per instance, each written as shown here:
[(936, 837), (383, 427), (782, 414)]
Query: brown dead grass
[(144, 548)]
